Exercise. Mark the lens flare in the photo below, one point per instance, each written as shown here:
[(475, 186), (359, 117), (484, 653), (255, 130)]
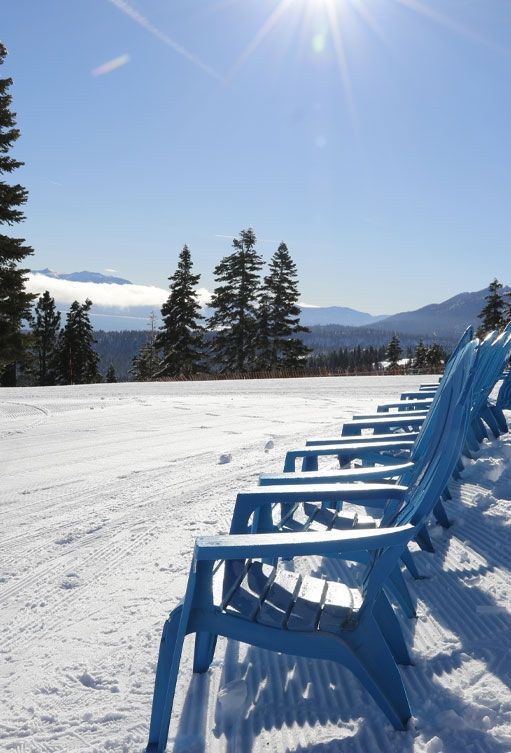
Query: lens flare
[(111, 65)]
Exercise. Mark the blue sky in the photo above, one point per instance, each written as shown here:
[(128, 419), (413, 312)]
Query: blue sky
[(373, 136)]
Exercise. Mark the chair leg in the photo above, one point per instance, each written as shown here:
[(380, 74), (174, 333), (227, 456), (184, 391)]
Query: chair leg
[(391, 629), (424, 541), (472, 441), (373, 665), (165, 683), (446, 494), (480, 429), (398, 589), (500, 418), (441, 515), (205, 644), (409, 562), (310, 463), (490, 420)]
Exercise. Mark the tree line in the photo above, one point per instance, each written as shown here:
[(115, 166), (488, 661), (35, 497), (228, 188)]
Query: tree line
[(254, 325)]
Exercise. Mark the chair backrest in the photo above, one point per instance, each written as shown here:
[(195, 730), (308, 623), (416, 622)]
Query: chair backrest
[(431, 429), (466, 337), (456, 413), (495, 350), (504, 396)]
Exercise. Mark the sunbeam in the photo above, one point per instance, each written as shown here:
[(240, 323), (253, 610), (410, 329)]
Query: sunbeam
[(448, 23), (263, 32)]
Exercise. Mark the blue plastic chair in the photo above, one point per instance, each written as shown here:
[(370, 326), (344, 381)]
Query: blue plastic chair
[(232, 593)]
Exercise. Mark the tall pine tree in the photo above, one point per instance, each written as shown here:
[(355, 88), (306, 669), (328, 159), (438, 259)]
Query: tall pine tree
[(45, 338), (14, 301), (78, 361), (435, 356), (492, 315), (420, 361), (281, 292), (394, 352), (147, 362), (111, 376), (181, 336), (234, 304)]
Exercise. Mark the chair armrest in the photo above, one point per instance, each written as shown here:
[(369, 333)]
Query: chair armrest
[(363, 439), (340, 476), (366, 494), (349, 450), (269, 545)]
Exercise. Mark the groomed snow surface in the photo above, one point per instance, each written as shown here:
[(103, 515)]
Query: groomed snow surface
[(104, 489)]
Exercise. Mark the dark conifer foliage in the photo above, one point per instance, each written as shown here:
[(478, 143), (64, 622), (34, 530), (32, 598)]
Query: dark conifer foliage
[(181, 336), (420, 361), (281, 293), (234, 304), (492, 315), (15, 303), (147, 363), (78, 361), (394, 352), (265, 360), (111, 376), (435, 356), (45, 339)]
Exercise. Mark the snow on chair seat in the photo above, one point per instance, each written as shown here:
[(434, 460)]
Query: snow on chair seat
[(281, 598)]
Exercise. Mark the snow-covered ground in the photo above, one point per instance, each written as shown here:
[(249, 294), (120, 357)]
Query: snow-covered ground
[(103, 490)]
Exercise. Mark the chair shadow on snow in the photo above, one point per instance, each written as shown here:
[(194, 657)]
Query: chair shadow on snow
[(285, 691)]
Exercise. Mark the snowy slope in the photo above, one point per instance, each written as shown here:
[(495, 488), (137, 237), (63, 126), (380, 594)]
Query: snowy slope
[(104, 489)]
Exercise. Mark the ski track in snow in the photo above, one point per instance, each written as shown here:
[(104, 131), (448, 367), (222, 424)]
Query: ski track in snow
[(104, 490)]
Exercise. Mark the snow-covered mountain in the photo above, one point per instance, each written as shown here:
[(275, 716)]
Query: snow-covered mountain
[(82, 277), (312, 315), (445, 319)]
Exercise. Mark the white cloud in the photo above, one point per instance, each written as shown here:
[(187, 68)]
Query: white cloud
[(104, 294)]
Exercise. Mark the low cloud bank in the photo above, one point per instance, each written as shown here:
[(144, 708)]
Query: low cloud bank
[(102, 294)]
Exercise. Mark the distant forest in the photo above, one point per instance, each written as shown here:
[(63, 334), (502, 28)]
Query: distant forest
[(120, 348)]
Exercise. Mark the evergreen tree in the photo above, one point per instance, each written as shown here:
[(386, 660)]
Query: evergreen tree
[(281, 292), (492, 314), (394, 352), (435, 356), (111, 376), (147, 363), (78, 361), (507, 314), (265, 359), (420, 361), (45, 338), (234, 304), (181, 336), (14, 301)]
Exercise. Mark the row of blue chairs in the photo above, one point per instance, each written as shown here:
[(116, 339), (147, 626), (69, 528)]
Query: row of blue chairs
[(406, 455)]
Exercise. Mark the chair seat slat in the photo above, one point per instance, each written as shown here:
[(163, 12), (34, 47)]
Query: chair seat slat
[(339, 608), (305, 611), (279, 598), (247, 597)]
